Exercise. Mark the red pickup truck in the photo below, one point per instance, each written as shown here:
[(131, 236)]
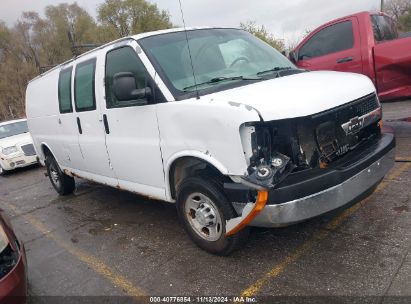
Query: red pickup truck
[(363, 43)]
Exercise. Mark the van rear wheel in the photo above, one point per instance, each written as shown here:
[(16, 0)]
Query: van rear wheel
[(61, 182), (203, 211)]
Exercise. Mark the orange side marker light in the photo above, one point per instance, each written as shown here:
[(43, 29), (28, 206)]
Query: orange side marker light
[(259, 205)]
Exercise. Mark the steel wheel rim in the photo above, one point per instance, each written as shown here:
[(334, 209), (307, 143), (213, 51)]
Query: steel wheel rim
[(203, 216), (54, 176)]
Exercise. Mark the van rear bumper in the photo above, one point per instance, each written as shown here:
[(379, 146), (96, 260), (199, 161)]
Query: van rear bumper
[(303, 197)]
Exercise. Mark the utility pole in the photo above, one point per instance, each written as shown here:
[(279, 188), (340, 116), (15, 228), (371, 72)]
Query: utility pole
[(382, 5)]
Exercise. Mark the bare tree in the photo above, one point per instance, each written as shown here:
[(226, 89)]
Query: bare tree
[(127, 17), (397, 8), (262, 33), (36, 41)]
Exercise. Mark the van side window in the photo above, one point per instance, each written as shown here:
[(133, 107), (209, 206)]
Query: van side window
[(64, 91), (334, 38), (84, 97), (121, 60)]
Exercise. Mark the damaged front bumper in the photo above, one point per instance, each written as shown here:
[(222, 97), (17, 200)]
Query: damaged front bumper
[(332, 198), (308, 194)]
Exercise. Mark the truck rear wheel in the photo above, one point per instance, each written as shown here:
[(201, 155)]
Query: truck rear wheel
[(61, 182), (203, 211)]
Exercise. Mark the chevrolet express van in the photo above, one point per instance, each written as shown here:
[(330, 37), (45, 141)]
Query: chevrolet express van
[(216, 121)]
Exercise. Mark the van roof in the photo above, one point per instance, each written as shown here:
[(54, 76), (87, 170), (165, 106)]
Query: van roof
[(135, 37)]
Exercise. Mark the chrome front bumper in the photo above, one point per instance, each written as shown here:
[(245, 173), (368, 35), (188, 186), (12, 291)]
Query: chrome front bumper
[(304, 208), (18, 162)]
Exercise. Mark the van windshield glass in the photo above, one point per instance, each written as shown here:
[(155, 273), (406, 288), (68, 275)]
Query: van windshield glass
[(232, 55), (13, 129)]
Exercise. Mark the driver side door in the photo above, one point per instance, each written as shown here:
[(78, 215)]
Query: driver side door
[(132, 134)]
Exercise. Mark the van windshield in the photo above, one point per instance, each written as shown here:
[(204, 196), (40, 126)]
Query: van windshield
[(220, 57), (12, 129)]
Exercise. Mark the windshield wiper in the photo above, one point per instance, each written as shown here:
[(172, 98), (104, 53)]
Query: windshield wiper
[(221, 79), (275, 69)]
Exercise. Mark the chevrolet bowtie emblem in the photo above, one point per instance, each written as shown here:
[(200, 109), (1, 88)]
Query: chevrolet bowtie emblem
[(354, 125)]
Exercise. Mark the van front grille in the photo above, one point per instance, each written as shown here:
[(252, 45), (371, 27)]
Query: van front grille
[(365, 105), (356, 108)]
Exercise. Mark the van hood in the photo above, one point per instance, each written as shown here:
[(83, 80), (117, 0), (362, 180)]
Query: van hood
[(297, 95)]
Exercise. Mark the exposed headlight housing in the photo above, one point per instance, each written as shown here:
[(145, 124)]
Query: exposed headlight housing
[(9, 150), (266, 165)]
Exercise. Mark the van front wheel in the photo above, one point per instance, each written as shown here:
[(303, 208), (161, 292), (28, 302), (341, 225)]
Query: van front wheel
[(61, 182), (203, 211)]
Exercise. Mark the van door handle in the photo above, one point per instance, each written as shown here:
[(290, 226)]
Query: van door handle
[(346, 59), (79, 126), (105, 121)]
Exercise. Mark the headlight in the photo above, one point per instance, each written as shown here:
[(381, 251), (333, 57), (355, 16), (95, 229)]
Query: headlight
[(9, 150), (262, 144), (3, 239)]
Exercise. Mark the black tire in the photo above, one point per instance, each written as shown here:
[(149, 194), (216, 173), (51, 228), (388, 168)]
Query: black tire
[(212, 190), (3, 171), (61, 182)]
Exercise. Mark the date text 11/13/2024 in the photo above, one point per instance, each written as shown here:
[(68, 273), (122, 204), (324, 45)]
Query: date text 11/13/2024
[(203, 299)]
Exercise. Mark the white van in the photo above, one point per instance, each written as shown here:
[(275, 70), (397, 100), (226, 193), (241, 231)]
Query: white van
[(215, 120)]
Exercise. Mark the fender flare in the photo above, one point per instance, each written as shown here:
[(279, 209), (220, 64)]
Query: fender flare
[(43, 156), (204, 156)]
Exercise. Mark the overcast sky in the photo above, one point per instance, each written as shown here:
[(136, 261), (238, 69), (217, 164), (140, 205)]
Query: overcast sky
[(286, 19)]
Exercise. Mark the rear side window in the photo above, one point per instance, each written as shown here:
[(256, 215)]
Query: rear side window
[(384, 28), (334, 38), (64, 91), (120, 60), (84, 97)]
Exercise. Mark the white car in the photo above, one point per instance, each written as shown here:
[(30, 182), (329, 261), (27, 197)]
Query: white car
[(16, 146), (216, 121)]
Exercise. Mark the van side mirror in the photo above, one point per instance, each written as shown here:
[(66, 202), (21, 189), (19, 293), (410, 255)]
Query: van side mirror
[(125, 88), (293, 56)]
